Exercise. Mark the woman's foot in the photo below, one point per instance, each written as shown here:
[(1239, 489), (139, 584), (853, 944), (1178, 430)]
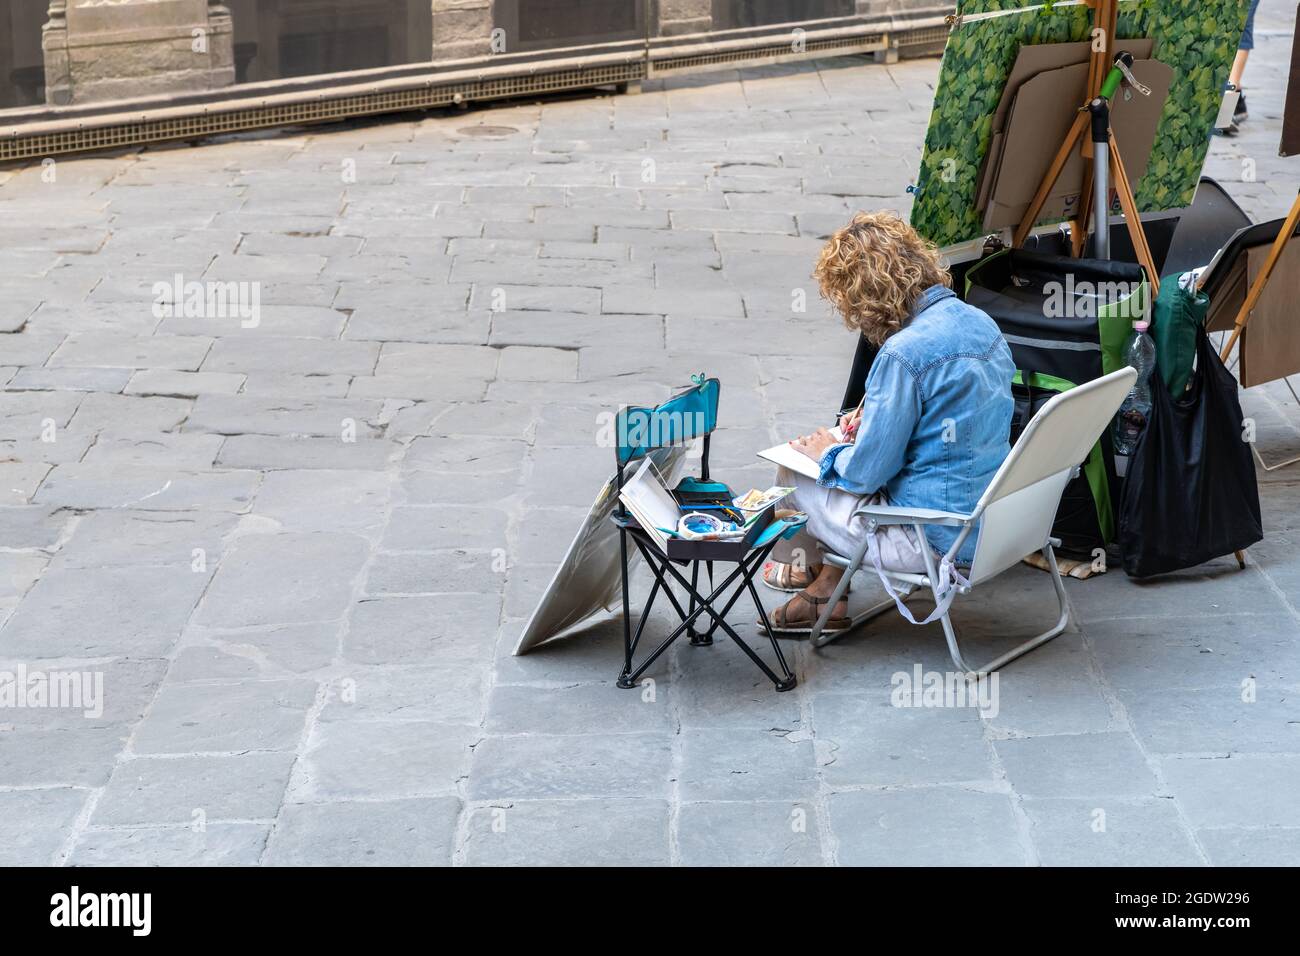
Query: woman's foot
[(800, 613), (786, 577)]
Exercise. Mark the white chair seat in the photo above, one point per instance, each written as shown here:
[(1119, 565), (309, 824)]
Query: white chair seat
[(892, 514)]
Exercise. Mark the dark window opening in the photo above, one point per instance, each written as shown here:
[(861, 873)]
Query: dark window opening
[(275, 39), (543, 24), (22, 61), (738, 14)]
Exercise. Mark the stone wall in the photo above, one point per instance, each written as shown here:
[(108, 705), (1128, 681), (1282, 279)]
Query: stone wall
[(875, 8), (685, 16), (461, 28), (96, 52)]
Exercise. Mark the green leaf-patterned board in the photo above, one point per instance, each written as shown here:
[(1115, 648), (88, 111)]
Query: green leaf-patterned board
[(1198, 38)]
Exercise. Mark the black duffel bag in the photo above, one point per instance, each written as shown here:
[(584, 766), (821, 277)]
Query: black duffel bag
[(1068, 318), (1190, 494)]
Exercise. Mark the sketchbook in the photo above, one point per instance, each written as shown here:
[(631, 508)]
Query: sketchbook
[(797, 461), (651, 503)]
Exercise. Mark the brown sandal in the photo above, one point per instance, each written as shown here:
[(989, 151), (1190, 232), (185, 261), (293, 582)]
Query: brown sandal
[(782, 579), (781, 625)]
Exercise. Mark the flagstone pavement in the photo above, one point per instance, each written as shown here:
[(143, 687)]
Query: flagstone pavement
[(297, 546)]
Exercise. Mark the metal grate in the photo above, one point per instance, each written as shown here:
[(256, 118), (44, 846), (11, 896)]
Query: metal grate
[(927, 37), (314, 111), (766, 53)]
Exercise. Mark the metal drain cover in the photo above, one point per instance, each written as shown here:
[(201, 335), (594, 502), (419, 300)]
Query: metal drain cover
[(489, 132)]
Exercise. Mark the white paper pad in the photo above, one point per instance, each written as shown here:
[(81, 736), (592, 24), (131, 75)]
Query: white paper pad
[(785, 455), (651, 503)]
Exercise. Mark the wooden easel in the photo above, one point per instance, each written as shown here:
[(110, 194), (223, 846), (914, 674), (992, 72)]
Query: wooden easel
[(1102, 175), (1095, 199)]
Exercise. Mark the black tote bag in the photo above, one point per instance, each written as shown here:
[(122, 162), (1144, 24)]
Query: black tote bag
[(1190, 494)]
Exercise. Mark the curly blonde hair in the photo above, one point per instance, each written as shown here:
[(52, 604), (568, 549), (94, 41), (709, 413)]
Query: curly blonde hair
[(874, 270)]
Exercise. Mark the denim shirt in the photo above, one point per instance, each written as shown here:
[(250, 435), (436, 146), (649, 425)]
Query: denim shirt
[(937, 415)]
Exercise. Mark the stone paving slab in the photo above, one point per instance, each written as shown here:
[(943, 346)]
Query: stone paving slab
[(414, 832), (298, 546), (221, 844)]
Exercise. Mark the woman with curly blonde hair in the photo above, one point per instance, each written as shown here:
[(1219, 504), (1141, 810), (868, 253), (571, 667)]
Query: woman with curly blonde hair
[(931, 431)]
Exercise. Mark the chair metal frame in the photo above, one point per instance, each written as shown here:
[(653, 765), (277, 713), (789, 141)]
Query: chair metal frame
[(911, 584), (1029, 483)]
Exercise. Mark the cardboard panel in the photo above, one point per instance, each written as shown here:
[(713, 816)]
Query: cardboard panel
[(1037, 125), (1030, 61), (1228, 298), (1271, 343)]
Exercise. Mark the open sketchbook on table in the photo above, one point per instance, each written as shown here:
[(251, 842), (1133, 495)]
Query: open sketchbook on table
[(651, 503), (787, 455)]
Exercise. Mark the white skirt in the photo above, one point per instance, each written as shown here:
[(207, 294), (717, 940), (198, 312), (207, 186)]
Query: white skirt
[(836, 524)]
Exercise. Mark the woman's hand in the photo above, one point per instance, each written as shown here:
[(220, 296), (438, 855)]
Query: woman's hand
[(849, 423), (815, 445)]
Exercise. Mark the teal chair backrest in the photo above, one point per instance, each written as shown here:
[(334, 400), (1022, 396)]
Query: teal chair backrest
[(686, 416)]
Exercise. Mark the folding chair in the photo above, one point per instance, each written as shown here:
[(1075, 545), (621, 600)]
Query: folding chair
[(686, 416), (1014, 515)]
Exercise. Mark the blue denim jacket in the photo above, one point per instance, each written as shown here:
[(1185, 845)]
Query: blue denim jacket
[(937, 415)]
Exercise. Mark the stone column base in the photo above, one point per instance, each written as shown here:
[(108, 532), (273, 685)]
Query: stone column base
[(677, 17), (462, 29), (136, 48)]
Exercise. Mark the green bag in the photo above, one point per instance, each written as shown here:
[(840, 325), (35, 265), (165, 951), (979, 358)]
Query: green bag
[(1179, 313)]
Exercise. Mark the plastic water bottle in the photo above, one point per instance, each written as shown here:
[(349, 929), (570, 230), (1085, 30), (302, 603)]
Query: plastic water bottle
[(1140, 352)]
